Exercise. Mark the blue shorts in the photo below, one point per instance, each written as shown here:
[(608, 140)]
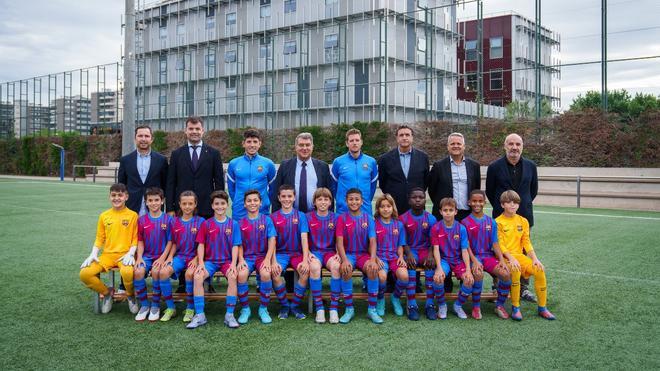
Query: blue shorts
[(445, 267), (148, 263), (211, 267), (254, 262), (179, 264)]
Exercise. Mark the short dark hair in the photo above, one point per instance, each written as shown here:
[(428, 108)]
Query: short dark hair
[(403, 127), (143, 127), (415, 189), (477, 192), (195, 120), (219, 194), (251, 192), (251, 133), (154, 191), (353, 191), (285, 187), (118, 187)]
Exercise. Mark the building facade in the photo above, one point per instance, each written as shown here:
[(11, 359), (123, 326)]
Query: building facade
[(73, 114), (106, 109), (288, 63), (509, 51)]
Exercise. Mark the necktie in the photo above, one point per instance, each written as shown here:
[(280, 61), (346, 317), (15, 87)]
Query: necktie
[(302, 189), (195, 158)]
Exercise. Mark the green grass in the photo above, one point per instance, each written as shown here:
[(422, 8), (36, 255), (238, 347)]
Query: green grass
[(603, 275)]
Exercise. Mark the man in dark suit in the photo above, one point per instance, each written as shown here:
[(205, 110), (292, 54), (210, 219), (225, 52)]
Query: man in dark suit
[(141, 169), (402, 169), (196, 167), (304, 173), (512, 171), (454, 176)]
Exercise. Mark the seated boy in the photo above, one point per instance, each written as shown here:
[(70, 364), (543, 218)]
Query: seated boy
[(419, 252), (485, 254), (218, 242), (258, 236), (154, 242), (450, 245), (291, 251), (356, 246), (322, 225), (513, 234), (116, 234)]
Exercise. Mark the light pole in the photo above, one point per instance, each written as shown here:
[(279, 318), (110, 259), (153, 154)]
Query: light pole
[(62, 152)]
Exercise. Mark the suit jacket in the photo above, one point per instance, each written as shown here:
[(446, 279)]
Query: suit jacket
[(392, 180), (498, 180), (441, 182), (129, 176), (208, 177), (286, 174)]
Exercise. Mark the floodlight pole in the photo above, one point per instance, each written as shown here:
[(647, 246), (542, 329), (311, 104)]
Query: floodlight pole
[(128, 124), (603, 62), (62, 157), (537, 71)]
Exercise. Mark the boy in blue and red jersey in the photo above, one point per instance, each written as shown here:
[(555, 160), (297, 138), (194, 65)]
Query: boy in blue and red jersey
[(356, 246), (218, 242), (259, 237), (322, 224), (183, 255), (154, 241), (390, 239), (291, 251), (485, 254), (450, 250), (419, 252)]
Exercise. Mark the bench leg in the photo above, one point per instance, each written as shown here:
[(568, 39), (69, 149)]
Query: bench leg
[(96, 303)]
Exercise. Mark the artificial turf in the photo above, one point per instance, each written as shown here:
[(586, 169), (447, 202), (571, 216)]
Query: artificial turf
[(603, 279)]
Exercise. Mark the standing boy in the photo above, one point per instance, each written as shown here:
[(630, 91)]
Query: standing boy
[(116, 234)]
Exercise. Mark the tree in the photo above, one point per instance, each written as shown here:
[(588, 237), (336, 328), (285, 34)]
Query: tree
[(618, 101), (521, 110)]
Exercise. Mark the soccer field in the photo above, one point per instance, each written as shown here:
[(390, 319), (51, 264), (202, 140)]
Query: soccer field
[(603, 269)]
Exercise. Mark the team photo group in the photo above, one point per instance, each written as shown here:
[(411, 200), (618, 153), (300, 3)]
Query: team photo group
[(171, 220)]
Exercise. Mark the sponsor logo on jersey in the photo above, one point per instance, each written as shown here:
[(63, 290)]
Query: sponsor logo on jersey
[(124, 222), (520, 228), (365, 166), (488, 227), (260, 168), (313, 224), (262, 227), (193, 230), (395, 231), (294, 220), (331, 225), (457, 237), (228, 231), (163, 226), (425, 225), (365, 225), (212, 230)]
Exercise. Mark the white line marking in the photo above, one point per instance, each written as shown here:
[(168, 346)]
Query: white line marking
[(50, 211), (598, 275), (597, 215), (53, 182)]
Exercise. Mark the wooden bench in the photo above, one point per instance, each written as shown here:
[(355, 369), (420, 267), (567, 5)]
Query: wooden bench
[(216, 296)]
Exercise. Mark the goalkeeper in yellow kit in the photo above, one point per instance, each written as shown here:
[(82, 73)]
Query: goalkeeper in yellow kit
[(513, 235)]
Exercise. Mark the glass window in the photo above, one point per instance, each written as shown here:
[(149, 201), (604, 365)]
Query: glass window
[(230, 56), (331, 84), (264, 12), (163, 32), (331, 41), (496, 48), (162, 105), (231, 98), (471, 81), (422, 4), (471, 50), (289, 6), (421, 44), (231, 19), (210, 11), (496, 80), (180, 29), (331, 45), (290, 88), (210, 23), (290, 47), (210, 100)]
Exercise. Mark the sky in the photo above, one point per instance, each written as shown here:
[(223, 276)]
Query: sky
[(39, 37)]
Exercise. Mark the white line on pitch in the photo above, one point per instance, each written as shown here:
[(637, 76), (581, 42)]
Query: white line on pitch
[(597, 215), (47, 210)]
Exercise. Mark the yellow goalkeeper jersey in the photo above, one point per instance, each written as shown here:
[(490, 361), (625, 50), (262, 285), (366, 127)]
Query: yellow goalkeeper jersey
[(116, 231), (513, 234)]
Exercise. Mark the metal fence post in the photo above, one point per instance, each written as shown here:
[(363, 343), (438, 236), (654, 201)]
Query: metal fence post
[(578, 191)]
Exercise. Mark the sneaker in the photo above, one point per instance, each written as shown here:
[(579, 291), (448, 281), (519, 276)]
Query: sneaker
[(188, 315), (372, 314), (516, 315), (348, 315), (142, 314), (245, 315), (431, 312), (547, 315), (106, 303), (230, 321), (133, 306), (298, 313), (501, 312), (284, 312), (264, 316), (334, 317), (442, 311), (197, 320), (413, 313), (476, 313), (121, 291), (168, 314), (154, 314), (320, 316), (458, 310), (527, 296), (396, 305), (380, 306)]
